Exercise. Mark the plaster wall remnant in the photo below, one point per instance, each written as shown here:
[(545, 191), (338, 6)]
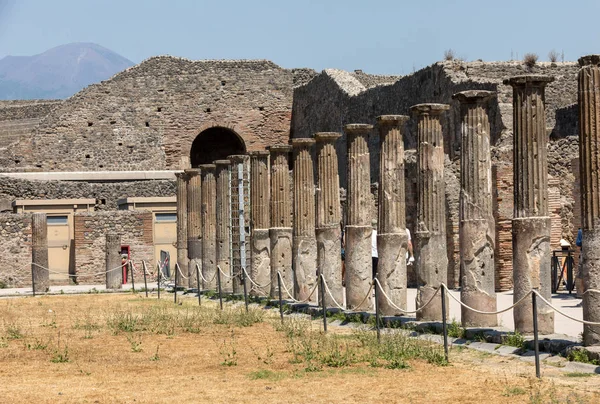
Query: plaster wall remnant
[(392, 240), (305, 242), (328, 222), (39, 253), (209, 224), (589, 160), (194, 224), (531, 222), (477, 229), (280, 232), (182, 232), (358, 246), (260, 221), (223, 217), (114, 272), (430, 235)]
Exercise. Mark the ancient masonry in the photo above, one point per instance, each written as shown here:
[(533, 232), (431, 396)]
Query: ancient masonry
[(209, 224), (531, 223), (477, 230), (359, 272), (391, 230), (589, 151), (260, 222), (430, 236), (194, 224), (39, 253), (223, 214), (328, 231), (182, 231), (114, 272), (305, 242)]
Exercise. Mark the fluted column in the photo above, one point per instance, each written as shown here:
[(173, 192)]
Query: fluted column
[(305, 242), (531, 222), (240, 219), (260, 217), (589, 160), (39, 253), (359, 271), (114, 271), (194, 224), (392, 240), (281, 219), (223, 217), (328, 224), (430, 236), (182, 248), (477, 228), (209, 224)]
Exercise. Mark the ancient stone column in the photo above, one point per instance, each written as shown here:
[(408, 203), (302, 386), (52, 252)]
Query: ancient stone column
[(305, 242), (182, 252), (209, 224), (194, 224), (39, 253), (240, 220), (223, 218), (589, 160), (114, 271), (392, 240), (430, 235), (260, 218), (328, 224), (359, 270), (281, 219), (531, 221), (476, 227)]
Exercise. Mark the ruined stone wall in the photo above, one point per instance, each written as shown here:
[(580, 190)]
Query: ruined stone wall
[(105, 193), (135, 228), (15, 250), (146, 117), (26, 109)]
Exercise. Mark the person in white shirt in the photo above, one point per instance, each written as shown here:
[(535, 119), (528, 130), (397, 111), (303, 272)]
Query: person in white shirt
[(410, 256), (374, 255)]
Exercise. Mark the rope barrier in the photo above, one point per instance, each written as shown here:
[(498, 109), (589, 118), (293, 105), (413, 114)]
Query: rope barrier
[(402, 310), (292, 297), (254, 283), (179, 270), (561, 312), (80, 275), (486, 312), (224, 274), (330, 295), (371, 286), (204, 279)]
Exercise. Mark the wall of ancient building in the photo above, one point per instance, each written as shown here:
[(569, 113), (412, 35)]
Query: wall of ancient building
[(15, 250), (135, 228)]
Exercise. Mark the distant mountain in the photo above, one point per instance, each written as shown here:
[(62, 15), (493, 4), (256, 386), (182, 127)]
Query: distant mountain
[(59, 72)]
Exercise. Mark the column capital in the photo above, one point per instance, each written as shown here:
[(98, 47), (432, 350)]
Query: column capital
[(302, 142), (207, 167), (327, 137), (192, 172), (280, 148), (222, 162), (589, 60), (258, 153), (529, 80), (429, 109), (358, 129), (474, 96), (182, 175), (391, 120)]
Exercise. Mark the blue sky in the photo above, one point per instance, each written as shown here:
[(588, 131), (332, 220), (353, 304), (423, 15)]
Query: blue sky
[(380, 37)]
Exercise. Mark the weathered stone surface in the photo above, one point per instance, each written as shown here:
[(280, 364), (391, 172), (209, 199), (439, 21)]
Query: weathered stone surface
[(261, 262), (431, 256), (328, 221), (209, 224), (39, 253), (304, 243), (240, 220), (223, 217), (477, 230), (281, 259), (531, 222), (15, 250), (194, 224), (589, 152), (261, 220), (182, 232), (392, 240), (114, 273), (359, 272)]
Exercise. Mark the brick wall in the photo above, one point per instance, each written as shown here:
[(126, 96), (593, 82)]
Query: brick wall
[(15, 250), (135, 228)]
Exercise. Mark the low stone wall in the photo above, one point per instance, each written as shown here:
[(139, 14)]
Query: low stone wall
[(15, 250), (135, 228)]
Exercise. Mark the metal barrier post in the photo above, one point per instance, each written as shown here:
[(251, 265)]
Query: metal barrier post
[(280, 299), (132, 281), (145, 280), (323, 303), (175, 281), (33, 280), (243, 275), (159, 272), (536, 346), (198, 284), (377, 325), (219, 281), (570, 272), (444, 322)]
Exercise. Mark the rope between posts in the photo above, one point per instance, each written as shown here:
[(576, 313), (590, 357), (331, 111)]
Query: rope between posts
[(292, 297), (179, 270), (398, 308), (371, 285), (202, 276), (254, 283), (223, 273), (330, 295), (561, 312), (486, 312), (80, 275)]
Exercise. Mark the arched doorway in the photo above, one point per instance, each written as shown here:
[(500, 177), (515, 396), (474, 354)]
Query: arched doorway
[(215, 143)]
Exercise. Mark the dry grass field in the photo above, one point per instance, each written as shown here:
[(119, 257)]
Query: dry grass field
[(102, 348)]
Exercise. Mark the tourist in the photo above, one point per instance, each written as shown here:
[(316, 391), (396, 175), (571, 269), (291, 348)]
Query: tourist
[(374, 255)]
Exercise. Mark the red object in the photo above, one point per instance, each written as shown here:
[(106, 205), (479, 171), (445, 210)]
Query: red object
[(125, 254)]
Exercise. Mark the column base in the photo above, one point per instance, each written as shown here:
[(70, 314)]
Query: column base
[(591, 279), (281, 259), (359, 270), (329, 262), (261, 262), (305, 267), (391, 271)]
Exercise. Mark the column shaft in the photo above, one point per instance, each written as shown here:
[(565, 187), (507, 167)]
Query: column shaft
[(392, 238), (240, 220), (477, 228), (209, 224), (194, 224), (182, 252), (531, 222), (39, 253), (260, 209), (114, 271), (223, 217), (430, 235)]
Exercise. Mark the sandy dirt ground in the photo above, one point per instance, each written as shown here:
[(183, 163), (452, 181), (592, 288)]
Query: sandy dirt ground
[(62, 349)]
